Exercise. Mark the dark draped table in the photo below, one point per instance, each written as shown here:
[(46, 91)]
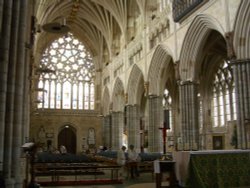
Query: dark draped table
[(214, 168)]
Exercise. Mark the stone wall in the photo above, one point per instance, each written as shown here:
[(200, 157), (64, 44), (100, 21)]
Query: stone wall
[(47, 124)]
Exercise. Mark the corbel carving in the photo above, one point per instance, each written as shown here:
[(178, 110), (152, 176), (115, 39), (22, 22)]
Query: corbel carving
[(177, 72), (126, 98), (146, 88), (230, 48)]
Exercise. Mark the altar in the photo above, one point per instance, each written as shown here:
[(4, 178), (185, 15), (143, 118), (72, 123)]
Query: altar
[(213, 168)]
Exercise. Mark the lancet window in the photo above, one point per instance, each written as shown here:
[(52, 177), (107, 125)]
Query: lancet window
[(224, 104)]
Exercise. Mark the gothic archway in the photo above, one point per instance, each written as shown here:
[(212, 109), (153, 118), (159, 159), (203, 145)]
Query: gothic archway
[(67, 137)]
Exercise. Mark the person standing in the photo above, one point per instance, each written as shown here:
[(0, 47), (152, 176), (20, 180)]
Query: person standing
[(63, 149), (133, 157), (121, 160)]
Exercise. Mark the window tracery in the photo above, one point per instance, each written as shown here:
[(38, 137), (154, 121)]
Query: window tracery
[(70, 84), (167, 105), (224, 104)]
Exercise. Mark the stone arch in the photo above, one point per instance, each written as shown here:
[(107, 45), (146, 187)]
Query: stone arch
[(67, 137), (118, 96), (160, 63), (162, 76), (194, 40), (105, 102), (135, 85), (241, 31), (212, 56)]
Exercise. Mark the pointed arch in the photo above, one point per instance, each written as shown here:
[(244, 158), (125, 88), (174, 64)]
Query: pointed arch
[(195, 38), (67, 137), (242, 34), (135, 85), (118, 96), (74, 77), (160, 62)]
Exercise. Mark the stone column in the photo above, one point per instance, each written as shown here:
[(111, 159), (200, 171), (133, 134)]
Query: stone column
[(26, 99), (19, 94), (241, 71), (133, 125), (10, 97), (117, 130), (155, 119), (107, 131), (4, 59), (189, 116), (1, 13)]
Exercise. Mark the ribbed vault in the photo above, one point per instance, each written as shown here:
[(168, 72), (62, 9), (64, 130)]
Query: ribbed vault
[(101, 25), (98, 24), (242, 36)]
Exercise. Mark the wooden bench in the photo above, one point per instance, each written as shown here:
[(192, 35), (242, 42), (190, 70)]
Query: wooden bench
[(146, 167), (57, 170)]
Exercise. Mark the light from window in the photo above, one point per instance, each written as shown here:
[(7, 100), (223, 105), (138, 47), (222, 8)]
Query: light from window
[(224, 108), (167, 105), (72, 84)]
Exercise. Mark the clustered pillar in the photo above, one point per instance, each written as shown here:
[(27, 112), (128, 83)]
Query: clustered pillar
[(241, 70), (117, 130), (13, 38), (155, 119), (107, 131), (133, 125), (189, 116)]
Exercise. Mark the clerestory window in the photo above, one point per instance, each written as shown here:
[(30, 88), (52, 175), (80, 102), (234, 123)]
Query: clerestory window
[(67, 77)]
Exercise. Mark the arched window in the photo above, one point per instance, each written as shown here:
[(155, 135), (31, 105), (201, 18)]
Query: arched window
[(224, 106), (200, 112), (167, 105), (66, 76)]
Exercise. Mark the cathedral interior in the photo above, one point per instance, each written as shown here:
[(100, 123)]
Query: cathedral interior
[(167, 76)]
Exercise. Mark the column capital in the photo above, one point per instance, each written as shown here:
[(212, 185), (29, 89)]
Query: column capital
[(116, 112), (131, 105), (188, 82), (152, 96), (239, 61)]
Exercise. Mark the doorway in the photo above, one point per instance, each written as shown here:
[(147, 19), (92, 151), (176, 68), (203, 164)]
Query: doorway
[(67, 137), (218, 143)]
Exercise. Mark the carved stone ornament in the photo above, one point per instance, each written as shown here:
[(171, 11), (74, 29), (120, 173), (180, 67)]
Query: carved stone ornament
[(230, 48)]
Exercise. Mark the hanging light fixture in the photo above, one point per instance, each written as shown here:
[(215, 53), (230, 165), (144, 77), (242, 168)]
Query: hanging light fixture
[(56, 27), (45, 70)]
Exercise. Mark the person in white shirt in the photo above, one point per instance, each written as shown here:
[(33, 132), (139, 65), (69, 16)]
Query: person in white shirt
[(133, 158), (63, 149), (121, 160)]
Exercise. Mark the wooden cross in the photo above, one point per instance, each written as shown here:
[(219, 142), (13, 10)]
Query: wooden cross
[(164, 135)]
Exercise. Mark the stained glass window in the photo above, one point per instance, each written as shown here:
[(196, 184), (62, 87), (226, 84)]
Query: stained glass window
[(167, 105), (224, 108), (69, 83)]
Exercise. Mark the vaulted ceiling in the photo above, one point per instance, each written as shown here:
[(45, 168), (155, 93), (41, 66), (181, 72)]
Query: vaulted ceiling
[(97, 23)]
